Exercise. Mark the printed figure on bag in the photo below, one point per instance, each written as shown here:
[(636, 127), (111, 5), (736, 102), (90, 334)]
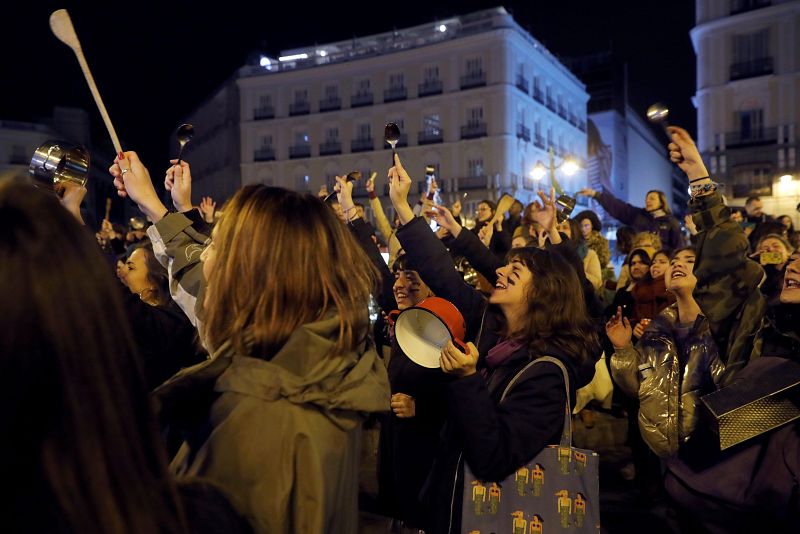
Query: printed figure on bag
[(494, 498), (580, 461), (580, 509), (538, 479), (564, 504), (518, 524), (536, 525), (521, 478), (478, 496), (564, 457)]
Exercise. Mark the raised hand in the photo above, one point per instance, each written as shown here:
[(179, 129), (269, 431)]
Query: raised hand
[(71, 195), (399, 186), (344, 194), (323, 192), (369, 185), (132, 179), (587, 192), (619, 331), (403, 405), (640, 327), (689, 222), (179, 183), (454, 362), (545, 213), (445, 219), (684, 153), (207, 208), (485, 234)]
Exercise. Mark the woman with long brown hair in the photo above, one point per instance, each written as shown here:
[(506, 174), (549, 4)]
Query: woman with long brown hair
[(537, 309), (80, 451), (281, 298)]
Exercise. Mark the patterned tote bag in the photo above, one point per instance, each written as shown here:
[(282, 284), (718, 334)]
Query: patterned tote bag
[(558, 491)]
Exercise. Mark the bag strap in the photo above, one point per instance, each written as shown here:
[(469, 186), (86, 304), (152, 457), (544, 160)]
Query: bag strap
[(566, 434)]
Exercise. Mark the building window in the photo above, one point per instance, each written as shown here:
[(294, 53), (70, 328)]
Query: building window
[(332, 135), (432, 124), (751, 55), (397, 80), (363, 85), (331, 92), (474, 66), (264, 100), (266, 141), (301, 96), (750, 124), (430, 74), (475, 115), (475, 167), (364, 131), (301, 138)]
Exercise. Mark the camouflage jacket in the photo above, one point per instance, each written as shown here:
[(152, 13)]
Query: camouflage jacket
[(727, 283)]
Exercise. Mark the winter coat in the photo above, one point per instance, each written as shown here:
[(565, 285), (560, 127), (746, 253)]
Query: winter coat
[(280, 437), (679, 374), (493, 440), (666, 226)]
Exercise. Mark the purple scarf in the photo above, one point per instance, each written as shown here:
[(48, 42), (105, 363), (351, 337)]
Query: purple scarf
[(501, 352)]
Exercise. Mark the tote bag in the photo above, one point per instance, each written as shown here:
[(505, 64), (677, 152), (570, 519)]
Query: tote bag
[(558, 491)]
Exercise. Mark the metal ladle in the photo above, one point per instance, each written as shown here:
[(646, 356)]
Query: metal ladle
[(184, 133), (391, 134), (351, 177), (657, 114)]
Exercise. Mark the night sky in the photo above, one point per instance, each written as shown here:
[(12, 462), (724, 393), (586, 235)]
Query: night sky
[(156, 61)]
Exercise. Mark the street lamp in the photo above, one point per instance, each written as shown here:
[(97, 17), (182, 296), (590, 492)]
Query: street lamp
[(569, 166)]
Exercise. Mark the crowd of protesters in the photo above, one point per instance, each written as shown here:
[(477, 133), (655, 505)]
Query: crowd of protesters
[(209, 370)]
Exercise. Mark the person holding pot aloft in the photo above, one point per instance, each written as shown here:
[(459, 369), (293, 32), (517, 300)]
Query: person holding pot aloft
[(537, 308)]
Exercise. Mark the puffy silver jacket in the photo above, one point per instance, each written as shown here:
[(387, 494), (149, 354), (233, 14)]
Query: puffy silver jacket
[(669, 390)]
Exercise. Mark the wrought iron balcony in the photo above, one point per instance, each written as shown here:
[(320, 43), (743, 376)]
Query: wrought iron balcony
[(473, 79), (537, 95), (361, 99), (330, 104), (762, 136), (741, 6), (551, 104), (581, 125), (299, 108), (330, 147), (429, 137), (522, 84), (473, 130), (538, 140), (264, 154), (429, 87), (473, 182), (362, 145), (751, 69), (263, 112), (523, 132), (393, 94), (562, 112), (299, 151)]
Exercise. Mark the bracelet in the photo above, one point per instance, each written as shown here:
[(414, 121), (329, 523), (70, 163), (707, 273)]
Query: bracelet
[(704, 189), (372, 195), (699, 179)]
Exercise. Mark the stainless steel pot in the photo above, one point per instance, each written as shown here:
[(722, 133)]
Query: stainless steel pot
[(59, 161)]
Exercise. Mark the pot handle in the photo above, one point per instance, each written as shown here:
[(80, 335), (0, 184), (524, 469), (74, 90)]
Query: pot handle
[(461, 344), (391, 317)]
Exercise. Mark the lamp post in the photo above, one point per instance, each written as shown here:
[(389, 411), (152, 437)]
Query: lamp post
[(568, 165)]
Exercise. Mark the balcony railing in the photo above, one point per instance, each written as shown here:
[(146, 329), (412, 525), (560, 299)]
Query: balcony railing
[(538, 140), (362, 145), (332, 103), (330, 147), (573, 119), (581, 125), (537, 95), (429, 87), (750, 69), (403, 141), (763, 136), (299, 151), (523, 132), (473, 130), (473, 79), (428, 137), (264, 154), (393, 94), (522, 84), (299, 108), (264, 112), (360, 99), (473, 182), (551, 104), (741, 6), (562, 112)]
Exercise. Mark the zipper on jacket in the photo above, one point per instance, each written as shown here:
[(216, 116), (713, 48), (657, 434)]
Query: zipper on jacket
[(453, 496)]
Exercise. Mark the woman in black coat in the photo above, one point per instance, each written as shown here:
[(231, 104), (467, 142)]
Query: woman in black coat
[(536, 309)]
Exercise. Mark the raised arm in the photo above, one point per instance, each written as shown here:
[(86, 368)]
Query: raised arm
[(727, 280), (429, 256), (621, 211)]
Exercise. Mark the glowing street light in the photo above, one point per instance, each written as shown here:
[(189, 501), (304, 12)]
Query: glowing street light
[(538, 171), (569, 166), (442, 28), (786, 178)]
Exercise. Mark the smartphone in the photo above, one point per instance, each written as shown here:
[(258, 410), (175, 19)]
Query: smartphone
[(770, 258)]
